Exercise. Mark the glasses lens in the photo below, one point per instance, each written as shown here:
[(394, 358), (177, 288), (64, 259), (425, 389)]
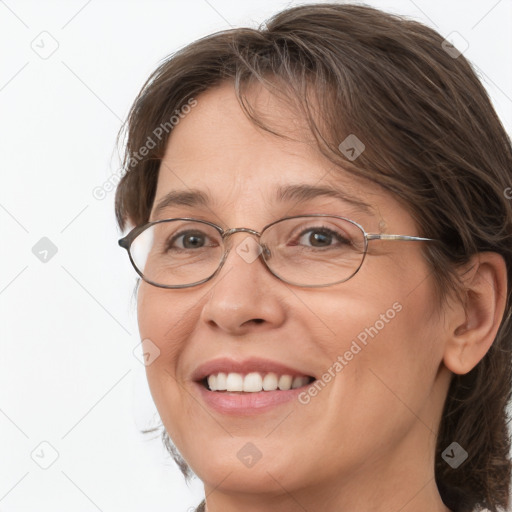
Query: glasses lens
[(314, 251), (177, 252)]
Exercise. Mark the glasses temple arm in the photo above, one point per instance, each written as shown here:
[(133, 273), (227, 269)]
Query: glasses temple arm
[(376, 236)]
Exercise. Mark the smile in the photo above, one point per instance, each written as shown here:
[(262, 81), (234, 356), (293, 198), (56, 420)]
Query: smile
[(254, 382), (248, 387)]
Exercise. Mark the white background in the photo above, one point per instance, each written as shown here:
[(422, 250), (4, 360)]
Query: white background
[(68, 375)]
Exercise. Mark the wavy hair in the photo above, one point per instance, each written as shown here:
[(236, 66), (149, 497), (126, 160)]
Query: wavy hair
[(433, 140)]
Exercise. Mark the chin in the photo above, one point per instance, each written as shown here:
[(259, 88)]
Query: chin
[(241, 466)]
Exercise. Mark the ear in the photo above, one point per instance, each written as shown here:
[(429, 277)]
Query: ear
[(472, 326)]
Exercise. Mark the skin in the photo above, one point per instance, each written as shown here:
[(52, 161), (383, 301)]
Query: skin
[(366, 442)]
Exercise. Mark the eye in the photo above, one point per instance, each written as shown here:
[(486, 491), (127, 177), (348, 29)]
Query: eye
[(191, 239), (321, 237)]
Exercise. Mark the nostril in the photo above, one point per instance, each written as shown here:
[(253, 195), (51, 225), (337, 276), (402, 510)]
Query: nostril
[(258, 320)]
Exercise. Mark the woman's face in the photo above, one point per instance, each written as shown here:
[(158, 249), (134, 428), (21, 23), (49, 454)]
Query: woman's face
[(377, 336)]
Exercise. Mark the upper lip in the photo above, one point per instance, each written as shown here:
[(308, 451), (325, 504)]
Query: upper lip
[(253, 364)]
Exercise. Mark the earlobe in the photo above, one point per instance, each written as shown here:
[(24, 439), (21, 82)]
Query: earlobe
[(471, 327)]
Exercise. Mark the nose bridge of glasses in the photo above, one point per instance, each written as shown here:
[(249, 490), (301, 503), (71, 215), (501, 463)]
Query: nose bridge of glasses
[(255, 249), (232, 231)]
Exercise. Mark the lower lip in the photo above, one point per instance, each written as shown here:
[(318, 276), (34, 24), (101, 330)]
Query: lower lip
[(243, 404)]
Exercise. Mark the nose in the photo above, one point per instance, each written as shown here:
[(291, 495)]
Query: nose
[(245, 296)]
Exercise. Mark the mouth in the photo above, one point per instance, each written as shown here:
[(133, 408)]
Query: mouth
[(254, 382), (248, 387)]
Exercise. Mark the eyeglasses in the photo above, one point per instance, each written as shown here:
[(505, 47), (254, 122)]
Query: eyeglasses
[(306, 250)]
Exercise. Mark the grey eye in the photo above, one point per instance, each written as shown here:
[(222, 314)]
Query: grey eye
[(188, 240)]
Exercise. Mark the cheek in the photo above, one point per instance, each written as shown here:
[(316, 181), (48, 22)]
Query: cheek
[(382, 341), (167, 318), (164, 319), (165, 323)]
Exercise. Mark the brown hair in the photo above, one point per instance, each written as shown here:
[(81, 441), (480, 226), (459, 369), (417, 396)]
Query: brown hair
[(432, 139)]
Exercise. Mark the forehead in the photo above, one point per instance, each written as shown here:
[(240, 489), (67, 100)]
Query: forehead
[(217, 135), (216, 149)]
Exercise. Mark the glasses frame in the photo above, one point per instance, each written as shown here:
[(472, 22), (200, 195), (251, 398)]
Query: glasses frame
[(127, 241)]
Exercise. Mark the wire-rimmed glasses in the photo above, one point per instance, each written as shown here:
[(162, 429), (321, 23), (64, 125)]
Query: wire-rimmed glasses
[(305, 250)]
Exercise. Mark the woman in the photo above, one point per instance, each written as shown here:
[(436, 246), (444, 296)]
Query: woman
[(306, 359)]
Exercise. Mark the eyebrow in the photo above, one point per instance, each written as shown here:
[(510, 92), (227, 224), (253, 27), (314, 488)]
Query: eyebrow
[(288, 193), (301, 193), (191, 197)]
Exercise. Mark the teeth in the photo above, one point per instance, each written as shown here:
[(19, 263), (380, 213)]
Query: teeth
[(254, 382), (221, 381), (299, 382), (235, 382), (285, 382), (270, 382), (212, 382)]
